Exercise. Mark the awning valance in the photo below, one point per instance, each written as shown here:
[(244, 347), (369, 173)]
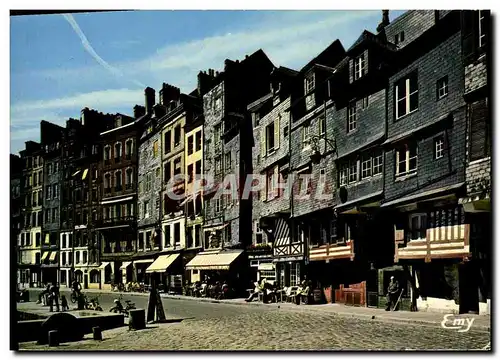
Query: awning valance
[(162, 263), (143, 261), (103, 265), (125, 265), (44, 255), (116, 200), (266, 266), (214, 261), (52, 256)]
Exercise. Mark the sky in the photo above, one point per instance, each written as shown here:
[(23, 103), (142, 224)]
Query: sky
[(60, 64)]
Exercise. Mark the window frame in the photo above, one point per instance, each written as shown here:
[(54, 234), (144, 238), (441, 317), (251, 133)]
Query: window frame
[(408, 158), (422, 227), (353, 164), (442, 87), (407, 95), (366, 172), (359, 67), (439, 147), (352, 116)]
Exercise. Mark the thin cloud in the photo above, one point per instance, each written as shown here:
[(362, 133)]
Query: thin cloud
[(88, 47)]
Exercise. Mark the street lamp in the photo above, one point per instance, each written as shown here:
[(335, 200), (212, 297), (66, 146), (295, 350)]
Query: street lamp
[(314, 142)]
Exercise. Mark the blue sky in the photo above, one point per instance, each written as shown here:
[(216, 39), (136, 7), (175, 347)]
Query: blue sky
[(61, 64)]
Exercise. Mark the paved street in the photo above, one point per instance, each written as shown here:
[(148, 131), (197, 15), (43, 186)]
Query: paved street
[(213, 326)]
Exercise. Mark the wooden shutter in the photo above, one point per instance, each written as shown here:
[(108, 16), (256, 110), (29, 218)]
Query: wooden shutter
[(276, 181), (469, 24), (262, 142), (277, 133), (478, 130)]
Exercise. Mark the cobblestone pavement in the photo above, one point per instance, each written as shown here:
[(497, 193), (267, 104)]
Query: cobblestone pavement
[(209, 326)]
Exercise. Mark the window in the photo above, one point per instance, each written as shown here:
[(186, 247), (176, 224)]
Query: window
[(177, 166), (359, 67), (322, 124), (198, 136), (442, 87), (480, 130), (258, 233), (365, 102), (353, 171), (439, 147), (118, 151), (197, 235), (285, 131), (482, 29), (118, 180), (343, 174), (47, 215), (190, 173), (149, 181), (155, 148), (309, 83), (198, 168), (269, 138), (63, 261), (128, 148), (406, 160), (399, 37), (48, 192), (56, 191), (167, 171), (304, 182), (146, 209), (167, 142), (352, 117), (177, 233), (218, 164), (77, 259), (228, 161), (190, 147), (107, 181), (107, 152), (256, 119), (294, 274), (366, 167), (166, 232), (141, 241), (84, 257), (377, 163), (418, 226), (177, 135), (406, 95), (217, 134), (305, 135), (129, 178), (218, 205), (218, 104)]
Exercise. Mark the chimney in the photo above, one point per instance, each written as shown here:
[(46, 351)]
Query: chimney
[(139, 111), (168, 93), (205, 81), (385, 21), (150, 97)]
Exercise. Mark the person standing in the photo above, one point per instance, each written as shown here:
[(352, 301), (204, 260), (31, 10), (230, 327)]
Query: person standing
[(54, 296), (43, 293), (393, 293)]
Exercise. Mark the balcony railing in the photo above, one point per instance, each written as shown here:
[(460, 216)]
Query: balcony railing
[(116, 221)]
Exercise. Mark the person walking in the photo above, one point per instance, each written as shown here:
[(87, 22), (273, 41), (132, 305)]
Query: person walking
[(54, 296), (392, 294)]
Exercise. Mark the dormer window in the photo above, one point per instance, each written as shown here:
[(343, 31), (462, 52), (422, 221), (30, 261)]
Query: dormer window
[(309, 83), (359, 67), (399, 37)]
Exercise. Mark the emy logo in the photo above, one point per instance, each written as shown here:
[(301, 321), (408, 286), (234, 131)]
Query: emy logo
[(460, 324)]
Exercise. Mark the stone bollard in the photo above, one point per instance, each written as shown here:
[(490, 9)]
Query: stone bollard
[(53, 338), (137, 319), (96, 331)]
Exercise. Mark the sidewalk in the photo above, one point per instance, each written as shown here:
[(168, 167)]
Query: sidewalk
[(482, 322)]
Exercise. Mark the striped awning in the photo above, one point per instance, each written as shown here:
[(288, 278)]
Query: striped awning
[(125, 265), (162, 263), (214, 261), (44, 255), (103, 265), (53, 255)]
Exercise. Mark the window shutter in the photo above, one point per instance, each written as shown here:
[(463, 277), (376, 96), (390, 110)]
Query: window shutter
[(468, 34), (397, 161), (277, 133), (365, 56), (276, 181), (478, 131), (262, 142), (351, 71)]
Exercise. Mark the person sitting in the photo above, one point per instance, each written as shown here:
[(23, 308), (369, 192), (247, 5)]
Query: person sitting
[(255, 293), (392, 294), (43, 293), (302, 291)]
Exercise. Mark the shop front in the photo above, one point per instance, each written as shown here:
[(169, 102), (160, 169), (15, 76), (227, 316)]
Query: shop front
[(168, 270)]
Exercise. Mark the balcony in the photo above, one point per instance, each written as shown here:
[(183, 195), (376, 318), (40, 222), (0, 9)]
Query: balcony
[(116, 221), (118, 159)]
